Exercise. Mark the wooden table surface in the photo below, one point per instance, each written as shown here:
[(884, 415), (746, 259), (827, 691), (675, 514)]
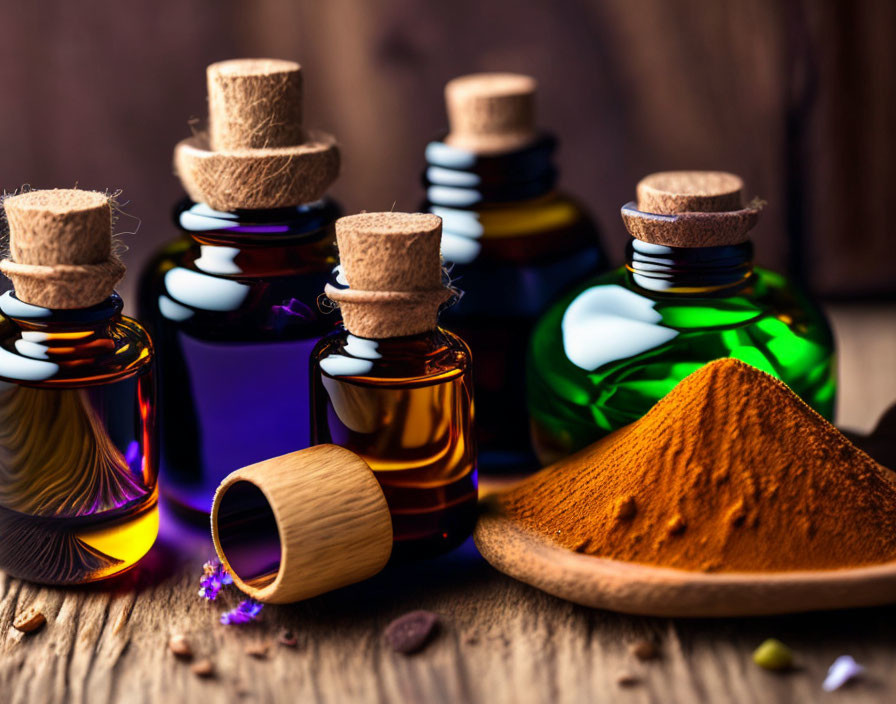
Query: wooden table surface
[(501, 640)]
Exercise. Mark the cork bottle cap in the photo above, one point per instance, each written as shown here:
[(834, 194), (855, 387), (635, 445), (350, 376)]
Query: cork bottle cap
[(491, 112), (60, 245), (691, 209), (302, 524), (254, 104), (256, 153), (392, 264)]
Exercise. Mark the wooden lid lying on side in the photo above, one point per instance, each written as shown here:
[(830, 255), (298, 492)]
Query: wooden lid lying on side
[(691, 209), (491, 112), (60, 244), (321, 508)]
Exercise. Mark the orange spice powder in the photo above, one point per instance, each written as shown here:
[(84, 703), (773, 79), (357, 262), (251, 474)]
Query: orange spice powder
[(731, 471)]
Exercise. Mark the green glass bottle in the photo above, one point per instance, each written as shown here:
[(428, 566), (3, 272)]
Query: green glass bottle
[(688, 294)]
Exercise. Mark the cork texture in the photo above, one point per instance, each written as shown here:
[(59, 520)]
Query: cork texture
[(491, 112), (669, 192), (691, 209), (382, 314), (254, 104), (393, 267), (390, 251), (258, 179), (60, 245), (692, 229), (59, 226), (256, 154)]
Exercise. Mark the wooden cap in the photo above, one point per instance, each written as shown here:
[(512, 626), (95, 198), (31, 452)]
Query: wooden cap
[(691, 209), (254, 104), (392, 264), (491, 112), (256, 154), (302, 524), (60, 245)]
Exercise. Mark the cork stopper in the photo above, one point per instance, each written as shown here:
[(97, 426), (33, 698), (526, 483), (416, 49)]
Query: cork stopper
[(256, 153), (302, 524), (491, 112), (691, 209), (60, 245), (254, 104), (392, 265)]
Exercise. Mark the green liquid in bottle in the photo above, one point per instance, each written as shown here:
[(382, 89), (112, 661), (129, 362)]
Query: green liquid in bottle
[(606, 353)]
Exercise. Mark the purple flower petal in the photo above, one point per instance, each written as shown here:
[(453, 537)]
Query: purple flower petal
[(244, 612), (842, 671)]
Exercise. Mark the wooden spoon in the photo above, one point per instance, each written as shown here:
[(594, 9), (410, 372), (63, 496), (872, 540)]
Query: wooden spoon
[(661, 591)]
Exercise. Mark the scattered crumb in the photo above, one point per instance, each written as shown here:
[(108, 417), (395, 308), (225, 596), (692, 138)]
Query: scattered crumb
[(180, 646), (287, 638), (258, 650), (203, 668), (625, 508), (645, 650), (676, 525), (627, 679), (29, 620), (409, 633)]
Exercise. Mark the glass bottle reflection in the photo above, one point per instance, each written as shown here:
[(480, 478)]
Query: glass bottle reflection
[(514, 243), (602, 356), (405, 405), (232, 306), (78, 465)]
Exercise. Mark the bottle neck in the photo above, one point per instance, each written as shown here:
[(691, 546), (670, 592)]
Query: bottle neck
[(457, 178), (65, 336), (279, 227), (690, 270)]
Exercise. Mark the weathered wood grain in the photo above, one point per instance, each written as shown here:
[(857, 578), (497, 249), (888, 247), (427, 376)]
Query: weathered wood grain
[(501, 641)]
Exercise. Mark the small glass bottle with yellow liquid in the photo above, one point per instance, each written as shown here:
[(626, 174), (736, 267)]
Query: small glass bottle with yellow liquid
[(394, 387), (514, 242), (78, 499)]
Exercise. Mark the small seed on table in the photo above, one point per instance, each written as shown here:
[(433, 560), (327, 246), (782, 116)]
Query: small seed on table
[(258, 650), (645, 650), (287, 638), (203, 668), (180, 646), (627, 679), (29, 620), (409, 633)]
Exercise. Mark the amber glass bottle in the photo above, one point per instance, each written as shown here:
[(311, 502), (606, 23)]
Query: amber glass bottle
[(232, 303), (689, 293), (512, 240), (78, 499), (395, 388)]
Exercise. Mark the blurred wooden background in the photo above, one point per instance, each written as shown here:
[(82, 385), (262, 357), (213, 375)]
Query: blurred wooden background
[(798, 96)]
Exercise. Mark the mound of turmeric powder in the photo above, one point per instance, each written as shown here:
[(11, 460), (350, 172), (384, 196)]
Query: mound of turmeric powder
[(729, 472)]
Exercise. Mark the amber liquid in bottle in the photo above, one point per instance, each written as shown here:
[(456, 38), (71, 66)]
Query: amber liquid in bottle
[(77, 442), (405, 405)]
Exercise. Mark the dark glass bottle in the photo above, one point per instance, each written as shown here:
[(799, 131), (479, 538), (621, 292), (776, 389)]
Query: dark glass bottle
[(232, 307), (513, 243), (609, 350), (393, 387), (78, 495)]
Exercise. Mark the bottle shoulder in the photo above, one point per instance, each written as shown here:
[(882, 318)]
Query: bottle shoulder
[(424, 359), (608, 320), (73, 358)]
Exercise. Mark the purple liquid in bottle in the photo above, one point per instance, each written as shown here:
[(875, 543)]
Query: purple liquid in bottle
[(232, 307)]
